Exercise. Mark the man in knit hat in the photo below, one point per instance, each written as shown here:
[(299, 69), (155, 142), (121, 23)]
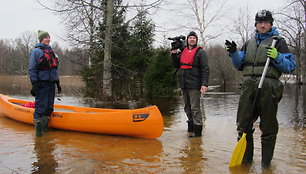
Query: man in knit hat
[(193, 80), (44, 77), (251, 61), (42, 34)]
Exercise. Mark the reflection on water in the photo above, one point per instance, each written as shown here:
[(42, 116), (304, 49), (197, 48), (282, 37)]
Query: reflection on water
[(16, 147), (97, 153), (192, 156), (43, 148), (75, 152)]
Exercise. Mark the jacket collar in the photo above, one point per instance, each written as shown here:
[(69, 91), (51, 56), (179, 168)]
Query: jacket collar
[(262, 36)]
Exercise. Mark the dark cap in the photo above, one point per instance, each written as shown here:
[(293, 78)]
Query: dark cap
[(192, 33), (263, 15)]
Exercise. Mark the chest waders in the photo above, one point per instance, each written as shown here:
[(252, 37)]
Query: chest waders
[(241, 146)]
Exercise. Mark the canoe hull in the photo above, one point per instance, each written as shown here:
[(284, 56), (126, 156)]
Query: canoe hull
[(144, 122)]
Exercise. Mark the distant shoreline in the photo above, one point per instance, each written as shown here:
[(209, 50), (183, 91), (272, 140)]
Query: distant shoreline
[(21, 84), (65, 80)]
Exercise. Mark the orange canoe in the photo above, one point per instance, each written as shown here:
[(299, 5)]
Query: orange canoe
[(144, 122)]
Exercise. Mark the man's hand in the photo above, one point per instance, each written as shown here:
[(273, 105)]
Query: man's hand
[(34, 88), (272, 52), (203, 89), (59, 88), (231, 47)]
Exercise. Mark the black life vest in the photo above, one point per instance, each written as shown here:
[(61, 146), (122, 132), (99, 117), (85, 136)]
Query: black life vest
[(187, 57), (48, 60)]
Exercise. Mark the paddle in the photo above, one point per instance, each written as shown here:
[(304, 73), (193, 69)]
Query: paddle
[(240, 147)]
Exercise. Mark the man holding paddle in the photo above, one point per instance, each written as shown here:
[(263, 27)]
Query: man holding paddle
[(260, 99)]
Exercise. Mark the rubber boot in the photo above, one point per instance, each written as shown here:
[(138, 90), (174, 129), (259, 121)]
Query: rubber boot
[(38, 127), (249, 151), (267, 150), (190, 126), (44, 123), (197, 131)]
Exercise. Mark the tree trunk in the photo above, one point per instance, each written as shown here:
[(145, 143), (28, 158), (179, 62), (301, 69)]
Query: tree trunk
[(107, 75), (304, 49), (91, 33)]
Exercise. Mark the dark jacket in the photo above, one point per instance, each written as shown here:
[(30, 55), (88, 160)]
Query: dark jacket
[(195, 77), (44, 75)]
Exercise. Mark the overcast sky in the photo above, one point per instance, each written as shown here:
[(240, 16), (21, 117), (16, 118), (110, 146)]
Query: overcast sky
[(27, 15), (20, 16)]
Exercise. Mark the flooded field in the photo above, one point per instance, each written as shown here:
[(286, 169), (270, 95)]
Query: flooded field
[(77, 153), (21, 85)]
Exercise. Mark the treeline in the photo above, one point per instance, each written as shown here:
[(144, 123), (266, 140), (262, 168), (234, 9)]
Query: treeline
[(137, 72), (116, 54), (14, 58)]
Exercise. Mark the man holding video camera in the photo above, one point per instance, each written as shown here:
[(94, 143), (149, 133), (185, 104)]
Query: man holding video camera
[(193, 80)]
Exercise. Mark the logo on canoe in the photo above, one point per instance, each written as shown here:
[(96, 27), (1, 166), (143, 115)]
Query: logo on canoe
[(57, 115), (22, 110), (140, 117)]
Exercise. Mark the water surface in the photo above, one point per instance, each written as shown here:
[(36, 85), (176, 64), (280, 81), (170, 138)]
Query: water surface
[(74, 152)]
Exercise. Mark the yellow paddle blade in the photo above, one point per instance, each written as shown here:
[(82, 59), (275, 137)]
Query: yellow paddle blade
[(238, 153)]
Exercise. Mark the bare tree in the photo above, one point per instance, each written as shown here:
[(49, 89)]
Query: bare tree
[(292, 24), (24, 44), (221, 70), (81, 17), (243, 27), (5, 56), (206, 14)]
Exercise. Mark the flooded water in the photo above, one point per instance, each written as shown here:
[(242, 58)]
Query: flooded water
[(73, 152)]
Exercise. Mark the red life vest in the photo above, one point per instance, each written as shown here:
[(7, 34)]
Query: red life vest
[(48, 60), (187, 57)]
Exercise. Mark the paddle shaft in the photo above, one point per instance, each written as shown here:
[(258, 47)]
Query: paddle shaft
[(263, 75)]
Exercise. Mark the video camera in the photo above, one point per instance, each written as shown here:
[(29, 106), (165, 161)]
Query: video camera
[(178, 42)]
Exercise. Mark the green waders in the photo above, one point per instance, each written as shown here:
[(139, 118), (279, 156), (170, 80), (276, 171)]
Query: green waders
[(38, 127), (267, 149), (41, 125), (45, 121), (249, 152), (266, 109)]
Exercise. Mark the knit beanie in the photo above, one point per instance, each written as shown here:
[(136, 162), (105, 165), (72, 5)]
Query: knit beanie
[(42, 34), (192, 33)]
